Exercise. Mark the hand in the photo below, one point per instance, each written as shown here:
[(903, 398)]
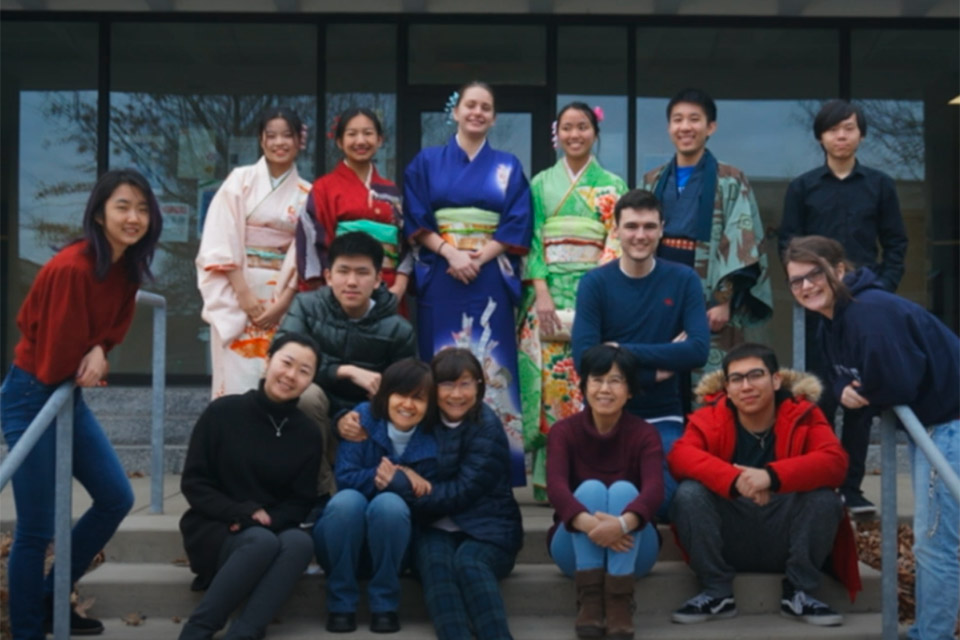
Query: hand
[(607, 532), (250, 305), (624, 544), (547, 312), (348, 426), (851, 399), (385, 473), (752, 481), (261, 516), (718, 316), (663, 374), (234, 527), (462, 266), (680, 337), (93, 368), (421, 486), (367, 380), (271, 315), (399, 287), (761, 498)]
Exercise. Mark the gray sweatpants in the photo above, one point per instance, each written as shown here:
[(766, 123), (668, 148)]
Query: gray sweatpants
[(792, 533), (257, 563)]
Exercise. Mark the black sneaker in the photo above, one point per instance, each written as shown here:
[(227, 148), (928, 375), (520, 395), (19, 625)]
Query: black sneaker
[(858, 505), (702, 607), (384, 622), (341, 622), (79, 626), (799, 605)]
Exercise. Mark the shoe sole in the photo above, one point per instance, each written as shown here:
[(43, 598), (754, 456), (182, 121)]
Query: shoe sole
[(588, 632), (859, 511), (818, 621), (691, 618)]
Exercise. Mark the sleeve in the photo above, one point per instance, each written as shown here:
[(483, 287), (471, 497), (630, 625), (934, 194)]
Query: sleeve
[(516, 220), (879, 355), (311, 243), (893, 236), (417, 210), (222, 240), (302, 491), (536, 265), (823, 462), (588, 318), (326, 218), (199, 483), (792, 222), (691, 459), (350, 470), (295, 320), (744, 234), (558, 475), (651, 489)]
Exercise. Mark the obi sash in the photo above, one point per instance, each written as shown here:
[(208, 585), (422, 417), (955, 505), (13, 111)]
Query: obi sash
[(572, 243), (266, 247), (467, 228), (386, 234)]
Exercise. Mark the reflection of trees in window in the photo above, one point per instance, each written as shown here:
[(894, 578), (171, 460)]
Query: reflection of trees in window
[(382, 104)]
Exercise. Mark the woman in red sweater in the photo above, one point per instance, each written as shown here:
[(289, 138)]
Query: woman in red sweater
[(79, 307), (605, 481)]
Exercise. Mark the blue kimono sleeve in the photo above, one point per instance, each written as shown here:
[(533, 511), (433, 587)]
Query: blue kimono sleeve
[(515, 229), (417, 210)]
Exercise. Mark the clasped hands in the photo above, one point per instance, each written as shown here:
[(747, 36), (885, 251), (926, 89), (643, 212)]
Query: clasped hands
[(260, 516), (604, 530), (387, 469), (753, 484), (465, 265)]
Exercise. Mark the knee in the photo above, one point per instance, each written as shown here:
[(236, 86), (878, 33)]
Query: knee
[(622, 492), (118, 502), (297, 544), (826, 503), (592, 494), (346, 504), (264, 541), (388, 509), (314, 403), (691, 496)]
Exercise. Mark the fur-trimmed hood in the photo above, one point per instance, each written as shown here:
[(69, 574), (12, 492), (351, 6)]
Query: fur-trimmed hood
[(800, 383)]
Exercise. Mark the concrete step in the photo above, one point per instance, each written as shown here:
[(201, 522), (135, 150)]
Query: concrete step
[(860, 626), (163, 591)]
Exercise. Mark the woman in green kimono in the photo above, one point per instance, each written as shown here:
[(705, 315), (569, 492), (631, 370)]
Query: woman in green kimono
[(572, 215)]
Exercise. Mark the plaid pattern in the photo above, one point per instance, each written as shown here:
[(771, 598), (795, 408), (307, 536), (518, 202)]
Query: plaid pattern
[(460, 576)]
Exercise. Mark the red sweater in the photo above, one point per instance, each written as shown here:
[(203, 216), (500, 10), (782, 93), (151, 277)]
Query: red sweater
[(68, 311), (807, 456), (576, 452)]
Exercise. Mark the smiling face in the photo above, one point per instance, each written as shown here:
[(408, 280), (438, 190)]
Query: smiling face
[(639, 232), (840, 141), (808, 284), (407, 411), (289, 372), (751, 387), (280, 144), (353, 280), (576, 134), (689, 129), (608, 393), (125, 218), (360, 140), (456, 398), (474, 113)]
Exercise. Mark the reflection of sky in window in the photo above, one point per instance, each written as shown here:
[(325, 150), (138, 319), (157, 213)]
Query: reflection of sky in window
[(612, 150), (511, 134), (382, 104)]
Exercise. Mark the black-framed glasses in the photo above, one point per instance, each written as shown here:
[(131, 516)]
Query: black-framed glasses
[(754, 376), (814, 276)]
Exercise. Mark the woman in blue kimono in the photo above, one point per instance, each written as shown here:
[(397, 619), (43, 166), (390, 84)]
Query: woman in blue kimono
[(467, 207)]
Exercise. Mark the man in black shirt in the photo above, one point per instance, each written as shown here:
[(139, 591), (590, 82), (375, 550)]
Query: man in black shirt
[(858, 207)]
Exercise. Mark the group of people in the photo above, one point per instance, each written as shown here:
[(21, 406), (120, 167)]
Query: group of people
[(561, 318)]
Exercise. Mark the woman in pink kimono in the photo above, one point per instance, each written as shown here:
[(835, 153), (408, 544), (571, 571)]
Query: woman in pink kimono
[(246, 267)]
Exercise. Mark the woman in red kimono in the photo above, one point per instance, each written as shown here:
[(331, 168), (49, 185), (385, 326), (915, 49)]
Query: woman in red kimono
[(354, 197)]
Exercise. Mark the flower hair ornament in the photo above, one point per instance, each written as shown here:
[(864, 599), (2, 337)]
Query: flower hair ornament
[(450, 106), (304, 130), (598, 111), (332, 131)]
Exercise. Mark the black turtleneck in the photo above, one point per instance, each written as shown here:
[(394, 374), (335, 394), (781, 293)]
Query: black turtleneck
[(246, 453)]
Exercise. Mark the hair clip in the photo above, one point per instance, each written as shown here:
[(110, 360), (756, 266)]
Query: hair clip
[(332, 131), (304, 129), (451, 105), (553, 134), (598, 111)]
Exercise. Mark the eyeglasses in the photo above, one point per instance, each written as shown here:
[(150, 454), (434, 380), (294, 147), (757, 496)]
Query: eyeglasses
[(610, 381), (449, 387), (814, 276), (754, 376)]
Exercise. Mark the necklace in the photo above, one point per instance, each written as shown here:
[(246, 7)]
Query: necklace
[(277, 427), (760, 437)]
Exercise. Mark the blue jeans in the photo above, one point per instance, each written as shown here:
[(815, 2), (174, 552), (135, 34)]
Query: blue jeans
[(574, 551), (670, 430), (95, 465), (359, 538), (936, 520)]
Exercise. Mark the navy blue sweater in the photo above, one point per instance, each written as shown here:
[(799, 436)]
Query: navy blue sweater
[(644, 315), (898, 351), (473, 482)]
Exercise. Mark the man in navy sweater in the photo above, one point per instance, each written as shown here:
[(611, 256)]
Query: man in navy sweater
[(651, 307)]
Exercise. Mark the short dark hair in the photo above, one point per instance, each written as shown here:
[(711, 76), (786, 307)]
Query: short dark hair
[(824, 252), (586, 110), (833, 112), (599, 359), (356, 243), (297, 338), (751, 350), (477, 83), (349, 114), (137, 257), (697, 97), (408, 377), (287, 115), (449, 364), (637, 199)]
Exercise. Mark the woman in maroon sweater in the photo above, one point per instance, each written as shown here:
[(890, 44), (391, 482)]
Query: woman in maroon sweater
[(605, 480), (79, 306)]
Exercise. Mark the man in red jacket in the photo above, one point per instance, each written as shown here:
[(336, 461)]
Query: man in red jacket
[(758, 466)]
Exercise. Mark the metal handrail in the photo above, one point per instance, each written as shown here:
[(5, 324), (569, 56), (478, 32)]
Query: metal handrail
[(159, 373)]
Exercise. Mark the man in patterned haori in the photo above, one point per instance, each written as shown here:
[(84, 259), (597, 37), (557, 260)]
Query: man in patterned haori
[(711, 223)]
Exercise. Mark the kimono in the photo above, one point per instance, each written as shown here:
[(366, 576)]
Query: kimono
[(340, 202), (468, 203), (250, 226), (572, 219), (715, 228)]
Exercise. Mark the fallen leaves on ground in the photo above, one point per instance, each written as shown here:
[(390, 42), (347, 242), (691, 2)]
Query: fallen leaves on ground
[(83, 605), (869, 549), (135, 474), (133, 619)]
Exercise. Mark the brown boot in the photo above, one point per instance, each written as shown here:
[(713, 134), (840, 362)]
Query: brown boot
[(589, 622), (618, 605)]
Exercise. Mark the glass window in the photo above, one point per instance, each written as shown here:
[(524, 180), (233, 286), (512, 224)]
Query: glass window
[(904, 80), (49, 107), (768, 84), (362, 77), (500, 54), (184, 104), (512, 133), (592, 68)]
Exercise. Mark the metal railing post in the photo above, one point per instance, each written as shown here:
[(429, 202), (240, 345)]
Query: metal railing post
[(64, 521), (16, 455), (888, 525), (159, 374), (799, 337)]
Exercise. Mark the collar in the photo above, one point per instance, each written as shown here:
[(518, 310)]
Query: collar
[(575, 176), (271, 408), (825, 172), (455, 142), (344, 169)]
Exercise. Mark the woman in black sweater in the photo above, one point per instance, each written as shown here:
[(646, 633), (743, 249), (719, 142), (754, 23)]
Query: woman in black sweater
[(250, 477)]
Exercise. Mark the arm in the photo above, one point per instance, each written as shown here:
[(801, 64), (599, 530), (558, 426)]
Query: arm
[(536, 267), (351, 471), (558, 476), (744, 233), (588, 323), (646, 504), (405, 345), (892, 236), (792, 223), (822, 464), (691, 458)]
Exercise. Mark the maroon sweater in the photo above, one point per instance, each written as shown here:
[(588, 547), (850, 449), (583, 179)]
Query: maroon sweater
[(576, 452), (68, 312)]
